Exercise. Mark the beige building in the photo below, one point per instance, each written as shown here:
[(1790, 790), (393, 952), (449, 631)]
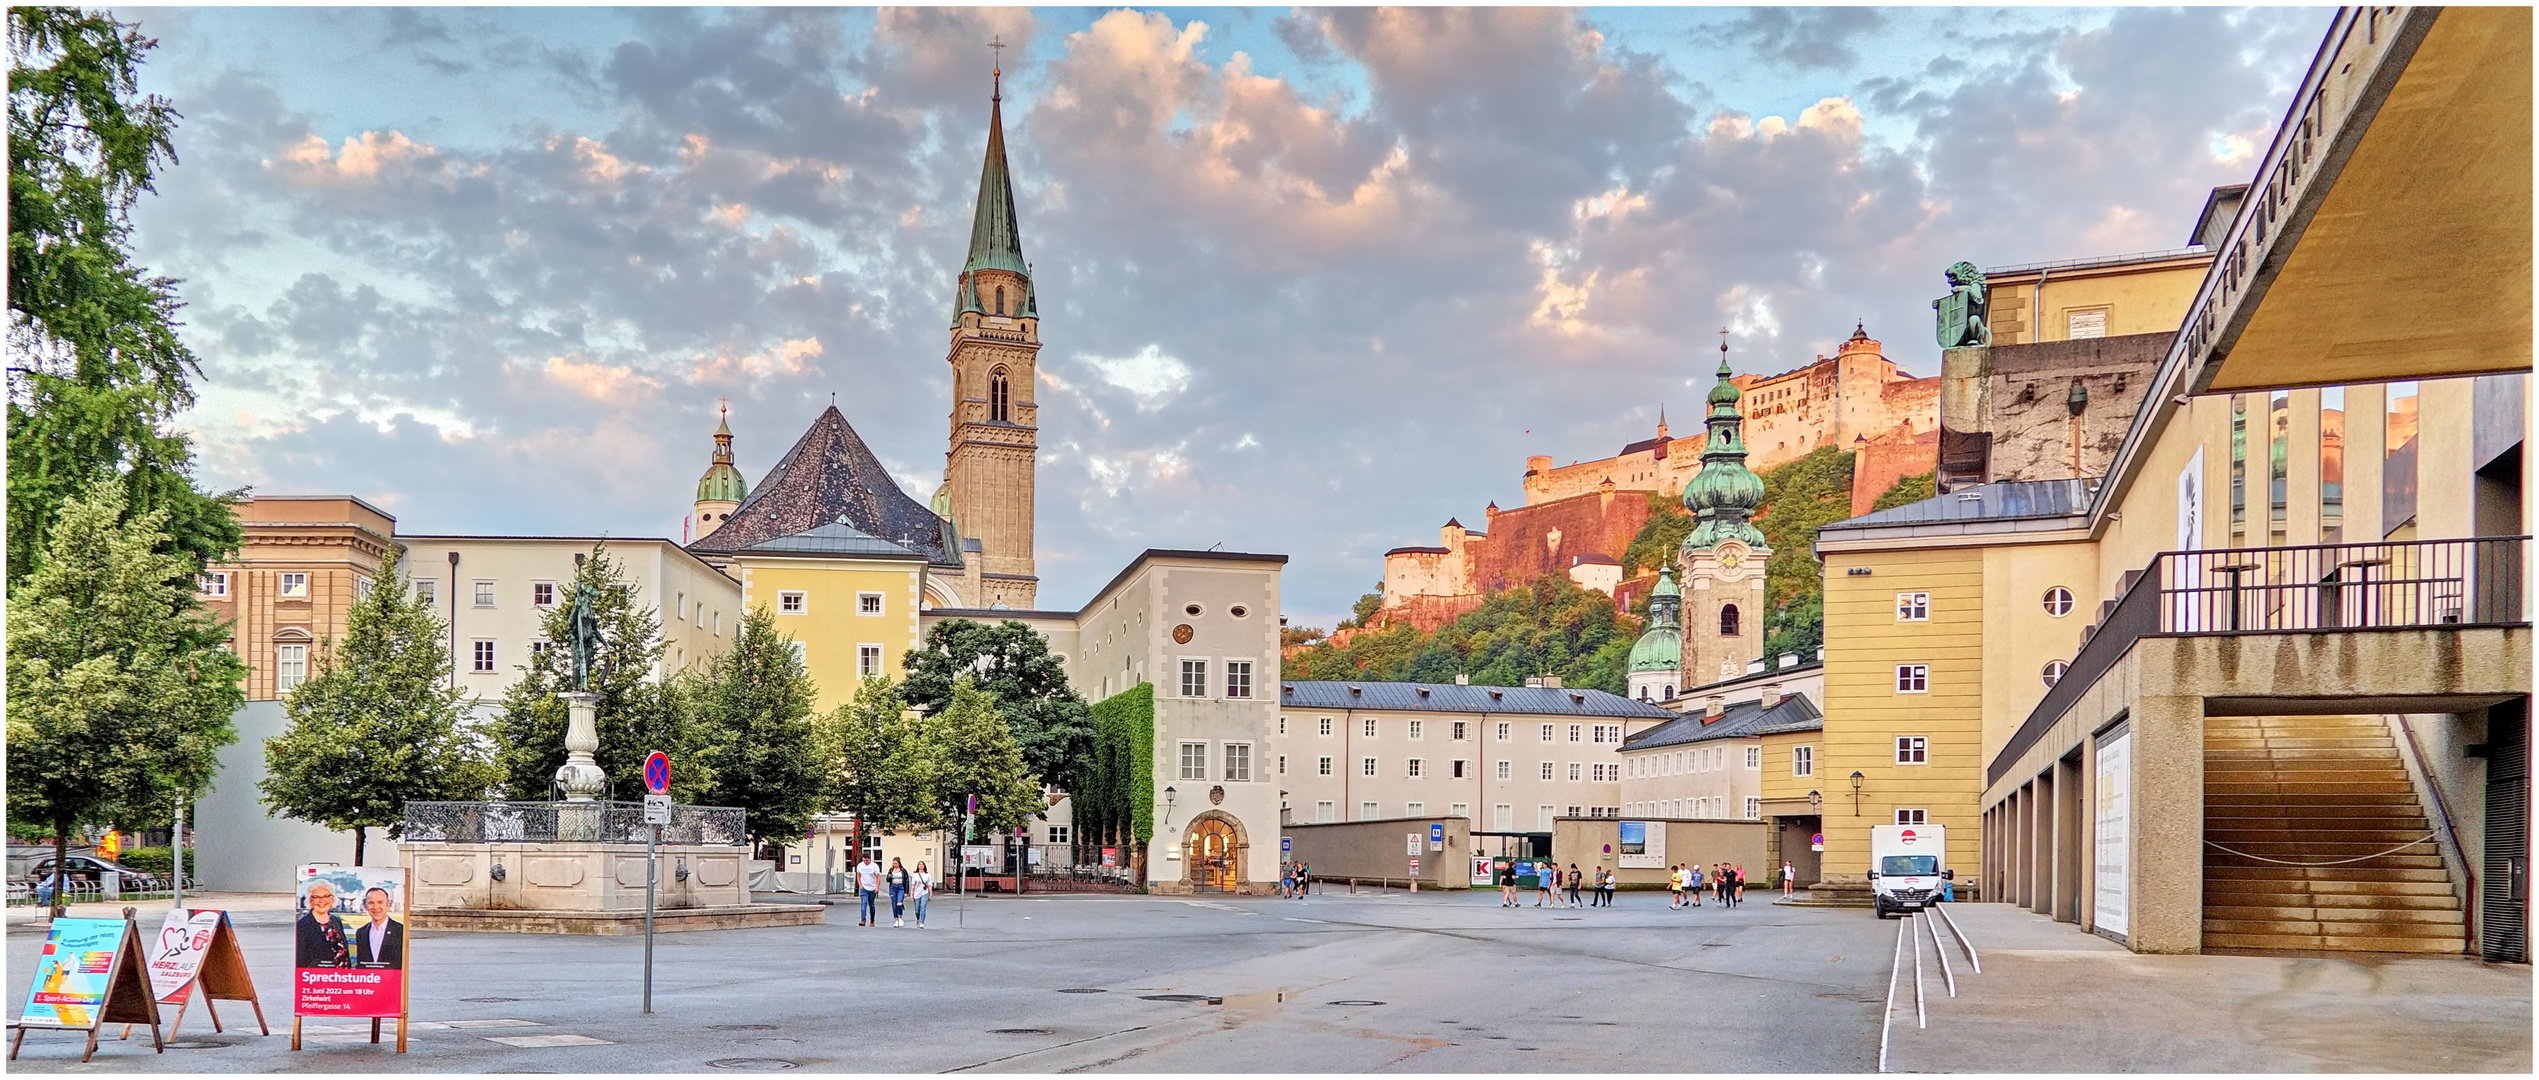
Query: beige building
[(1510, 759), (302, 562)]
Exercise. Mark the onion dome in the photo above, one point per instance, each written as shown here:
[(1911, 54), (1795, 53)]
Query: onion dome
[(1661, 646), (1724, 494), (722, 482)]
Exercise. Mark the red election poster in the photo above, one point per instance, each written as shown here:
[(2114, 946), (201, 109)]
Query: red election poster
[(349, 948)]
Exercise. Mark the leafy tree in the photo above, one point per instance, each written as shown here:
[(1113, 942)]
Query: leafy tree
[(880, 766), (1907, 490), (637, 714), (1549, 626), (1798, 628), (1362, 613), (1290, 637), (1011, 662), (974, 753), (1661, 535), (96, 369), (378, 724), (120, 693), (759, 739)]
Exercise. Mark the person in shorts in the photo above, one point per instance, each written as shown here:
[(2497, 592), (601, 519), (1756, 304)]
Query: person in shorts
[(1675, 886), (1507, 884)]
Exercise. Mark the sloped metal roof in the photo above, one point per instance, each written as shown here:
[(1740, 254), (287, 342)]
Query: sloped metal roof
[(2002, 501), (1449, 697), (835, 538), (1738, 721)]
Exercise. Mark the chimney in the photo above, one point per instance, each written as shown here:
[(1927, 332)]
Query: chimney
[(1551, 682), (1772, 693), (1462, 679), (1712, 706), (1533, 682)]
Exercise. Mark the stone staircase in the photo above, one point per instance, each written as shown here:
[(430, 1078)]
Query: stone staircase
[(2316, 789)]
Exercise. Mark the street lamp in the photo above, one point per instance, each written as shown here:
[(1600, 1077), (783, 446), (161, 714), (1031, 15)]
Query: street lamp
[(1855, 792), (1816, 802), (1168, 806)]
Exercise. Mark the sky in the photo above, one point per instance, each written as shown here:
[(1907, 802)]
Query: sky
[(1311, 281)]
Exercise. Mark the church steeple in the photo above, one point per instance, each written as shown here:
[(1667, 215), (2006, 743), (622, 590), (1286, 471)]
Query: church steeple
[(996, 240), (1724, 494), (995, 438), (722, 489)]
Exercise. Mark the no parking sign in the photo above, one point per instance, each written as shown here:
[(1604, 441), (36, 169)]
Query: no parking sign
[(657, 773)]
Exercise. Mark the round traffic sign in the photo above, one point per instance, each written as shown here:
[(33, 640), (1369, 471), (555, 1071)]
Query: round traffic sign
[(657, 773)]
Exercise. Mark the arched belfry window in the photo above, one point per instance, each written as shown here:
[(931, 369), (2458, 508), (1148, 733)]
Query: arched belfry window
[(1000, 299), (996, 389), (1728, 620)]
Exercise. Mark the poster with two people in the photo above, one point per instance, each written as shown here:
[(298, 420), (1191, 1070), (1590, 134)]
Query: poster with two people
[(349, 947)]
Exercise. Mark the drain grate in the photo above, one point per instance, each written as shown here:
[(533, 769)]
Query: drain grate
[(1193, 998), (740, 1027), (1020, 1031), (488, 1000), (1083, 990), (1355, 1003), (754, 1064), (197, 1044)]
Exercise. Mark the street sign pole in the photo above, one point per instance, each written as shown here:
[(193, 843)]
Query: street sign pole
[(652, 878), (656, 814)]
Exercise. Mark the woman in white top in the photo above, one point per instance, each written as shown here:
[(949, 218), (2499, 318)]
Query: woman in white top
[(920, 886)]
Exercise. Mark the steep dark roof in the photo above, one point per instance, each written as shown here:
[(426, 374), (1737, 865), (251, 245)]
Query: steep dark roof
[(1743, 719), (833, 538), (828, 477), (1449, 697)]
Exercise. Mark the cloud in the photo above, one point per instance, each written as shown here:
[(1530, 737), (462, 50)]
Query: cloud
[(1150, 375), (1801, 38)]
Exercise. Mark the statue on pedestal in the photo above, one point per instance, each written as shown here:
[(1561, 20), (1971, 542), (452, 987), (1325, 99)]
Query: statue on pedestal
[(581, 777), (1964, 314)]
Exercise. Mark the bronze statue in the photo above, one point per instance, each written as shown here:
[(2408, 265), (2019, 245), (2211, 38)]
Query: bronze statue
[(1964, 312), (583, 625)]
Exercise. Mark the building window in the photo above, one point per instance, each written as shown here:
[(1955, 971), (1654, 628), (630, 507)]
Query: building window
[(1194, 678), (215, 584), (542, 593), (1366, 767), (1754, 808), (427, 592), (1506, 769), (1728, 620), (1458, 769), (481, 656), (1366, 728), (868, 603), (1458, 731), (1912, 678), (1322, 766), (1419, 729), (1912, 750), (2058, 601), (1754, 757), (1912, 817), (1366, 811), (1322, 727), (1573, 811), (1544, 816), (1576, 730), (540, 648), (1802, 761), (1417, 809), (1461, 810), (998, 393), (792, 602), (1506, 732), (2053, 672), (484, 594), (295, 584), (1194, 761), (1061, 834), (718, 624), (290, 667), (1324, 811), (868, 661), (1282, 725), (1573, 772), (1545, 771), (1603, 773), (1282, 764), (1238, 761), (1912, 607), (1238, 678), (1416, 767), (1502, 817)]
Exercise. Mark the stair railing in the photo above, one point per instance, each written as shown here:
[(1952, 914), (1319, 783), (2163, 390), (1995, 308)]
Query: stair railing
[(2442, 812)]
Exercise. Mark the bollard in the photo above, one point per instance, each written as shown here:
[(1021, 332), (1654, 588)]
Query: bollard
[(1353, 886)]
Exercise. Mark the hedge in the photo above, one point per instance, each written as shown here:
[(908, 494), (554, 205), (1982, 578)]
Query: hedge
[(1121, 791)]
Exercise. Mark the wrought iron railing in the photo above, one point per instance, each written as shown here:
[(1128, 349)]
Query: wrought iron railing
[(548, 822), (2322, 588)]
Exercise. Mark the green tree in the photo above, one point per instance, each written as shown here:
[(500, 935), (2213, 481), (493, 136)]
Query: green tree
[(378, 724), (974, 753), (637, 713), (96, 371), (1117, 806), (1551, 626), (1661, 535), (759, 740), (1363, 611), (1907, 489), (880, 767), (1011, 662), (120, 692)]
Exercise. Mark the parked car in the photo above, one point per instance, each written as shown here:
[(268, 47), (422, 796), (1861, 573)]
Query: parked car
[(90, 868)]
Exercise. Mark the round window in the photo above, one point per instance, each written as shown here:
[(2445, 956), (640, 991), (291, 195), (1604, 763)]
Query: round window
[(2053, 672), (1192, 611), (1238, 611), (2058, 601)]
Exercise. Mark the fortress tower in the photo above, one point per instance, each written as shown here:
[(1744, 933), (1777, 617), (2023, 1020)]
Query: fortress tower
[(995, 440)]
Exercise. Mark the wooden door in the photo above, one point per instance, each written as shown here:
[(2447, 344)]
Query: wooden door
[(1211, 854)]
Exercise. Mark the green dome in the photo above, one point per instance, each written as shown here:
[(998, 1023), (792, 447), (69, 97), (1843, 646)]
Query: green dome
[(1724, 493), (722, 483), (1661, 647)]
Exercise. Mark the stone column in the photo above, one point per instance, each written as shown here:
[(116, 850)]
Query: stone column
[(580, 777), (2167, 857)]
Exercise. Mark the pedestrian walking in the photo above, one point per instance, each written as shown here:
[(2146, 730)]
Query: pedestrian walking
[(1286, 880), (920, 890), (868, 887), (1693, 878), (1546, 878), (1789, 879), (1607, 887), (1574, 882), (897, 879), (1739, 885), (1675, 887), (1304, 879)]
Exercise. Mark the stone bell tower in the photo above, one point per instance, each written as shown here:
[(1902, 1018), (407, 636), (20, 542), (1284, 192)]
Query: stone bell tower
[(1724, 555), (721, 489), (995, 443)]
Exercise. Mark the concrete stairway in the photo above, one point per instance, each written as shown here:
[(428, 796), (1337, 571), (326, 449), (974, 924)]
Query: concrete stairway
[(2311, 790)]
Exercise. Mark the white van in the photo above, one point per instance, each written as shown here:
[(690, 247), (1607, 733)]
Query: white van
[(1907, 864)]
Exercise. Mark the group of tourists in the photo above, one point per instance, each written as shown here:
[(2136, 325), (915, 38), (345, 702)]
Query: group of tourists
[(907, 888), (1685, 882), (1295, 876), (1556, 888)]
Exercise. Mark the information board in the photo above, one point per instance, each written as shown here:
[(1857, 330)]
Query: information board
[(2114, 845), (350, 966), (1642, 845)]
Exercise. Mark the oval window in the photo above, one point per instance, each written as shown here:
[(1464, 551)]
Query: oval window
[(1238, 611), (2058, 601), (2053, 672), (1192, 610)]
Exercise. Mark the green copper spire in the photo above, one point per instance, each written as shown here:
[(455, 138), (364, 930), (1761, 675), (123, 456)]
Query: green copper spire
[(995, 242), (1661, 647), (722, 481), (1724, 494)]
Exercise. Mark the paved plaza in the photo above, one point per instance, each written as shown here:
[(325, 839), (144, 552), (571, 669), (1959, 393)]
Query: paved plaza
[(1445, 982)]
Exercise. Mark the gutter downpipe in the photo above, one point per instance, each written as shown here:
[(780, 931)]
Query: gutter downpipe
[(2036, 307)]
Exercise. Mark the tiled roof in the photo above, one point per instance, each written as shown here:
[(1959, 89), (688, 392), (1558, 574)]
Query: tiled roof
[(831, 539), (829, 477), (1738, 721), (1449, 697)]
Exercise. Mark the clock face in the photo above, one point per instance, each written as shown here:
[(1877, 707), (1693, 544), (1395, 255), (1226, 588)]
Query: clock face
[(1731, 557)]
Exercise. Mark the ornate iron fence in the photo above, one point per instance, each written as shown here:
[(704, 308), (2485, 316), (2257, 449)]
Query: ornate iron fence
[(548, 822)]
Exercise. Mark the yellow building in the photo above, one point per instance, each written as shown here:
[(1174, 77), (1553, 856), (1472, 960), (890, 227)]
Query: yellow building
[(2109, 296), (847, 599)]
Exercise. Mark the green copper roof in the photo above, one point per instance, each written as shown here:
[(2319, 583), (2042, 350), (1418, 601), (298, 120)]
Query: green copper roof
[(1724, 494), (722, 482), (1661, 647), (995, 241)]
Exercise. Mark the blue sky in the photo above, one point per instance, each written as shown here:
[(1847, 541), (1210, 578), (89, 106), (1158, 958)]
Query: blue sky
[(1312, 281)]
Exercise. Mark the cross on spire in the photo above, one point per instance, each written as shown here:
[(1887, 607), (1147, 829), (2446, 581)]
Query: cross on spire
[(997, 44)]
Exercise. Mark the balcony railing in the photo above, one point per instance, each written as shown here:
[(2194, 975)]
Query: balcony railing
[(2324, 588)]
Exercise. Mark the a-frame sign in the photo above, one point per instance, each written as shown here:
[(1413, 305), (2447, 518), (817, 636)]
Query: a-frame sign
[(196, 955), (89, 975)]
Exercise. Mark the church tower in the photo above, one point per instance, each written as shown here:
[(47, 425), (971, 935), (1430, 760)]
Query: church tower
[(1657, 658), (995, 443), (1724, 555), (721, 489)]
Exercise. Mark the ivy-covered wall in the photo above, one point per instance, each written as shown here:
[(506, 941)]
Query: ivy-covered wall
[(1120, 798)]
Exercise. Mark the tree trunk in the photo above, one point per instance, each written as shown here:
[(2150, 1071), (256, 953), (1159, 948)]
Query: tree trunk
[(61, 865), (361, 839)]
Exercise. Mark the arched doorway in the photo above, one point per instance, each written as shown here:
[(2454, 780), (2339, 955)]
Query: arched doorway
[(1212, 853)]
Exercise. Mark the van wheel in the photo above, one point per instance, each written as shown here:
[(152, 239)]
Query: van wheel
[(1879, 907)]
